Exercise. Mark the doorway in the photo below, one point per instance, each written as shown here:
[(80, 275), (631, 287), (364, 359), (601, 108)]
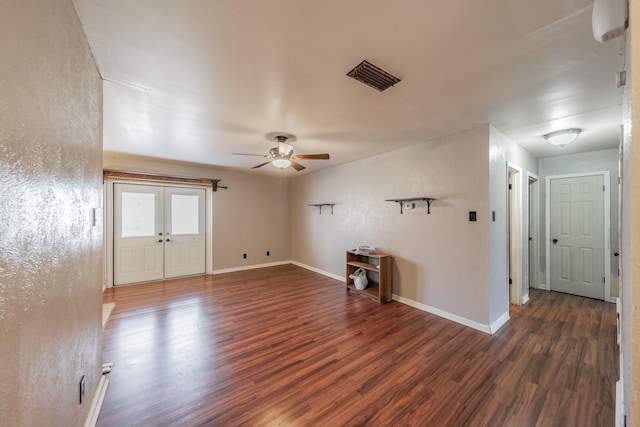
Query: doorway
[(158, 232), (577, 250)]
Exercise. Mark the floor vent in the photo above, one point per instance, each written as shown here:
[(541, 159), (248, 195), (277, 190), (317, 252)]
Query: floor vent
[(369, 74)]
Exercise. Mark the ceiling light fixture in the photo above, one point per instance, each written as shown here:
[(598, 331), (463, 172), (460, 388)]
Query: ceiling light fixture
[(281, 163), (562, 137)]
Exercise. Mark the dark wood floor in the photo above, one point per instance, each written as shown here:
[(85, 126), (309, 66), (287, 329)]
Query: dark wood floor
[(283, 346)]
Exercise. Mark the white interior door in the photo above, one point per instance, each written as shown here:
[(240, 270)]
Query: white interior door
[(138, 233), (159, 232), (184, 231), (577, 233)]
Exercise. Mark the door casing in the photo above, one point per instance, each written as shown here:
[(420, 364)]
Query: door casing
[(607, 228), (108, 217)]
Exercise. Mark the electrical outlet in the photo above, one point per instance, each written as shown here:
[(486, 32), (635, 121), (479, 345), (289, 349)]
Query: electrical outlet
[(472, 216), (267, 253), (82, 389), (244, 256)]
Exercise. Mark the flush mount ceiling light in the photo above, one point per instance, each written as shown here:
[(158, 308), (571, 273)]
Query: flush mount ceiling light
[(562, 137)]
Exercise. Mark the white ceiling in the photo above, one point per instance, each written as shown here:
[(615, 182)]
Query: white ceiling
[(197, 80)]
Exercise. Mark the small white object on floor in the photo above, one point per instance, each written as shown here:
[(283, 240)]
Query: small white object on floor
[(106, 368)]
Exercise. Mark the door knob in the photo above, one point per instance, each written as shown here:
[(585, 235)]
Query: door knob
[(616, 253), (159, 234), (168, 240), (555, 241), (160, 241)]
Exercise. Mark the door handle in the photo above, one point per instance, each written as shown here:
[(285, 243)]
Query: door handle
[(159, 234), (616, 254), (168, 240), (160, 241), (555, 241)]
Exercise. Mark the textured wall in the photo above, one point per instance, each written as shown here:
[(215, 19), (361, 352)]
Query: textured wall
[(50, 179), (630, 243), (440, 260)]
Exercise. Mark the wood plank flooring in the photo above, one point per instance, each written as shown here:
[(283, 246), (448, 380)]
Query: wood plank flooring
[(283, 346)]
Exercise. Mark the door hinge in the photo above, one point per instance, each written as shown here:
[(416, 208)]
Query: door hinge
[(603, 188), (604, 280), (510, 281), (510, 186)]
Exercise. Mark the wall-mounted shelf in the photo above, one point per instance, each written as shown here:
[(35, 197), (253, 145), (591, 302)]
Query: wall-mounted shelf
[(320, 205), (428, 200)]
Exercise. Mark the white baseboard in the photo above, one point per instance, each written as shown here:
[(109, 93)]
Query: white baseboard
[(249, 267), (525, 299), (499, 323), (96, 403), (317, 270), (446, 315), (620, 422)]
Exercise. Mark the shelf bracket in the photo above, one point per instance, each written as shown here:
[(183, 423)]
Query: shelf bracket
[(320, 205), (401, 202)]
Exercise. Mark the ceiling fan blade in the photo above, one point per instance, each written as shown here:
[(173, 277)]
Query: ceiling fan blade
[(324, 156), (261, 165), (297, 166), (245, 154)]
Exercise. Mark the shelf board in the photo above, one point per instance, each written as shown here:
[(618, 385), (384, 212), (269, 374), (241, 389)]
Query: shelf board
[(363, 265), (370, 291), (376, 255)]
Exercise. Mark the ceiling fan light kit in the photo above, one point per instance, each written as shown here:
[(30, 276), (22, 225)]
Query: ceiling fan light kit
[(283, 156), (562, 137), (281, 163)]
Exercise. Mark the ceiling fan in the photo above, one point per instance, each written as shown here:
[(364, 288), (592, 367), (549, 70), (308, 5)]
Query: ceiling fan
[(282, 156)]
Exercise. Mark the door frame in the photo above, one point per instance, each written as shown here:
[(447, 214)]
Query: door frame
[(607, 228), (108, 217), (533, 220), (514, 233)]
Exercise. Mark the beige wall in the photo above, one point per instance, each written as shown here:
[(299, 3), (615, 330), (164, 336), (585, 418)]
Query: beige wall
[(440, 260), (251, 216), (50, 178)]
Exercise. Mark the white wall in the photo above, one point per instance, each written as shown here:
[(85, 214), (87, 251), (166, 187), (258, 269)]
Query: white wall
[(441, 260), (579, 163), (504, 151), (251, 216)]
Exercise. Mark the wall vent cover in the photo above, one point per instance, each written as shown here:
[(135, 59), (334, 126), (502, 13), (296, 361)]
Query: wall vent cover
[(369, 74)]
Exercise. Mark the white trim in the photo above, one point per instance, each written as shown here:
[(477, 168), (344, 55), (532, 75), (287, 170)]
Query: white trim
[(317, 270), (108, 225), (620, 421), (525, 299), (533, 210), (96, 403), (514, 245), (249, 267), (444, 314), (499, 323), (607, 227)]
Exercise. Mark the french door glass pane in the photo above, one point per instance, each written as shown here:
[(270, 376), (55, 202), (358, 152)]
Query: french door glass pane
[(138, 214), (184, 214)]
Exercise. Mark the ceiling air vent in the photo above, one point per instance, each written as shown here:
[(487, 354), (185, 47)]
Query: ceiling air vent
[(373, 76)]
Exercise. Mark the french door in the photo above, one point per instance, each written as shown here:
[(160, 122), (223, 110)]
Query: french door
[(159, 232)]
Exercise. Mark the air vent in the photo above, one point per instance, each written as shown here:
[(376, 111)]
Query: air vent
[(369, 74)]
